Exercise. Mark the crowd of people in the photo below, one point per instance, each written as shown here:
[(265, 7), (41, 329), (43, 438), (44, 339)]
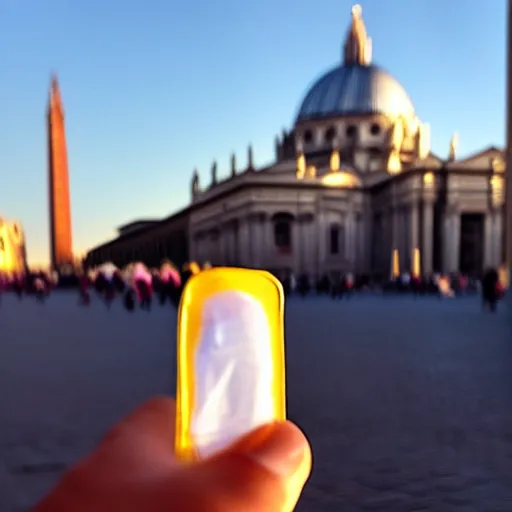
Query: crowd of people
[(135, 283), (138, 285), (491, 286)]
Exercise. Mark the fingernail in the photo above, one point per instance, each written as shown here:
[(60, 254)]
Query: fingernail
[(281, 450)]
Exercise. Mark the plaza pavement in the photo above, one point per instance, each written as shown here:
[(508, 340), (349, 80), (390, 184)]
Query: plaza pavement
[(407, 403)]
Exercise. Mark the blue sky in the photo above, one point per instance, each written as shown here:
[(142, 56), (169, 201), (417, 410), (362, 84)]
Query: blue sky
[(154, 89)]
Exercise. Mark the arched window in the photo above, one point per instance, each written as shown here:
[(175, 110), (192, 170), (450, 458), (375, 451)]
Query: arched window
[(351, 131), (330, 134), (283, 232), (308, 136), (375, 129)]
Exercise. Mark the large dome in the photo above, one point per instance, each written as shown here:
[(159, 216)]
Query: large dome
[(355, 90), (356, 87)]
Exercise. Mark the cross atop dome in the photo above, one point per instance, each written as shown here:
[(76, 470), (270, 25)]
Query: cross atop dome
[(358, 46), (357, 11)]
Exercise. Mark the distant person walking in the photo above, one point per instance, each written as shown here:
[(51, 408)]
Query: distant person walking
[(490, 290), (85, 297), (40, 289)]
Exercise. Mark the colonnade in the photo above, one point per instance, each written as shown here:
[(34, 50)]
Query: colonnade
[(251, 241), (365, 240), (150, 250), (412, 226)]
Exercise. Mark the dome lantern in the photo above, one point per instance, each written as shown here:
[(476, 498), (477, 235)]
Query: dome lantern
[(357, 49)]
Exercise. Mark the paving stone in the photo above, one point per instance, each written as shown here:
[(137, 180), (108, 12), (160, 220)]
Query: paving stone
[(384, 502), (420, 489), (13, 498), (406, 403), (453, 483)]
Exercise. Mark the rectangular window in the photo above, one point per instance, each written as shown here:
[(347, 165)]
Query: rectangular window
[(334, 240), (283, 236)]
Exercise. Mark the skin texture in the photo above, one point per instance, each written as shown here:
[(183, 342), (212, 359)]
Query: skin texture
[(134, 469)]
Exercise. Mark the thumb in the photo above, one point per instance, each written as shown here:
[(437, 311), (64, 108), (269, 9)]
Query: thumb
[(264, 471)]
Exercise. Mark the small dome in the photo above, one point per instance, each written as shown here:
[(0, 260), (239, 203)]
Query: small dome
[(355, 90)]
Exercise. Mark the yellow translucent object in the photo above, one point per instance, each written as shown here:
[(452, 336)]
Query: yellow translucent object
[(231, 365)]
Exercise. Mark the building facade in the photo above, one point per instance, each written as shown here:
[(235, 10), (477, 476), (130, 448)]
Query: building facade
[(61, 249), (353, 182), (12, 248)]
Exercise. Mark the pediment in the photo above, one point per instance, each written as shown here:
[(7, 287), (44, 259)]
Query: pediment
[(481, 161), (431, 161), (274, 174)]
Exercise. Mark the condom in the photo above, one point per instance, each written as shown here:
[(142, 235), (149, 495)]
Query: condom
[(231, 365)]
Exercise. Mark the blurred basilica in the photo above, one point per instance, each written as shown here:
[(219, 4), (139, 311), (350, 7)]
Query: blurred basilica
[(353, 182)]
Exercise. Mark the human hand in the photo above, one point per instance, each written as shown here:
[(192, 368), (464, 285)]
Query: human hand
[(134, 469)]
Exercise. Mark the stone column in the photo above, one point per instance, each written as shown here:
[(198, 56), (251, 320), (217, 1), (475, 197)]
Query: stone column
[(427, 245), (259, 239), (227, 254), (297, 246), (344, 256), (203, 247), (304, 259), (269, 252), (302, 255), (321, 230), (451, 241), (488, 239), (215, 246), (309, 245), (230, 231), (237, 252), (196, 247), (394, 221), (244, 245), (497, 238), (403, 238), (365, 240), (225, 239), (253, 229), (350, 238), (414, 225), (447, 232), (357, 243), (493, 238)]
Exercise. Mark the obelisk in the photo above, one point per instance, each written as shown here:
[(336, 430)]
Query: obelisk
[(61, 249)]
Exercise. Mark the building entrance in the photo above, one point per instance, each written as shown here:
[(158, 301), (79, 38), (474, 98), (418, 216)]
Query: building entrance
[(472, 244)]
